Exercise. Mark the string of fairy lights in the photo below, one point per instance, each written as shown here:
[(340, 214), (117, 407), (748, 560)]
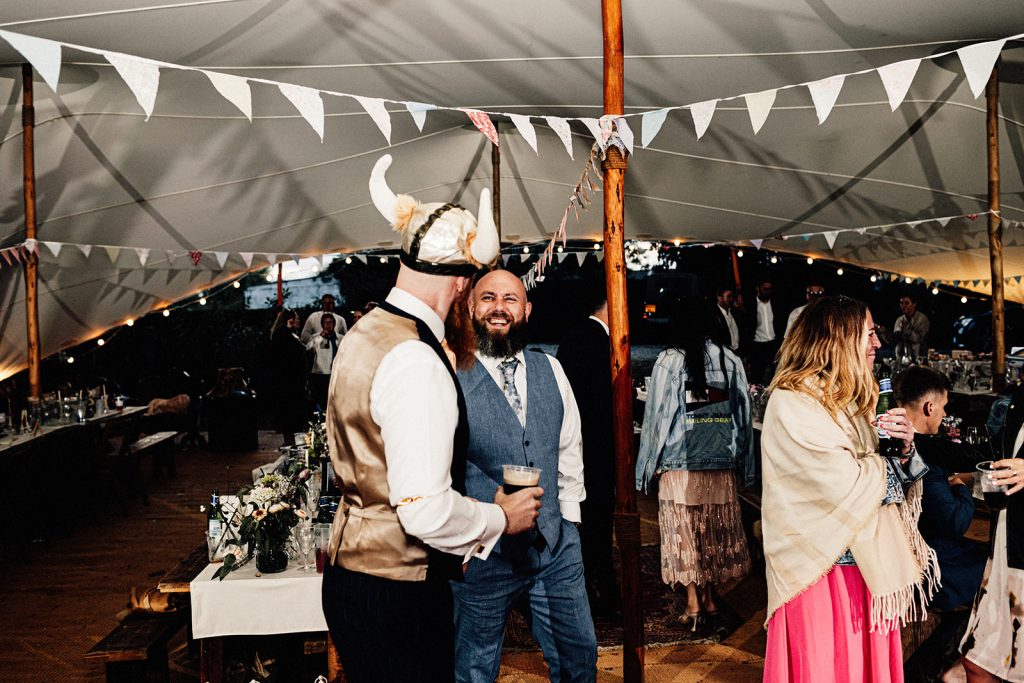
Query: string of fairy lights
[(525, 254)]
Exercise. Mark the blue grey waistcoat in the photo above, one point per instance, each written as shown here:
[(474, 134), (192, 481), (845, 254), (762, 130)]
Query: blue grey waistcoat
[(496, 438)]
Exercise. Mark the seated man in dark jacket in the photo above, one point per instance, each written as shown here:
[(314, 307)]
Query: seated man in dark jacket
[(947, 504)]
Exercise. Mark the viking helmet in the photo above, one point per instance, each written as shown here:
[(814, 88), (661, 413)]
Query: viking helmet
[(437, 238)]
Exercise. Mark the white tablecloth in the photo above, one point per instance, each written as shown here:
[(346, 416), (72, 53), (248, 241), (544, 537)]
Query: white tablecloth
[(244, 604)]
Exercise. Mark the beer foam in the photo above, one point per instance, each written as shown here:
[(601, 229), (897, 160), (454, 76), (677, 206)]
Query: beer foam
[(521, 478)]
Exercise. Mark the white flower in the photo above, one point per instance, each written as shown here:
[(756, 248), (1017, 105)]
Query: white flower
[(261, 495)]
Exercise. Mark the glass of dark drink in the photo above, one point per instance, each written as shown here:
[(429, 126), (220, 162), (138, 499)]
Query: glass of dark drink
[(994, 494), (518, 477), (322, 533)]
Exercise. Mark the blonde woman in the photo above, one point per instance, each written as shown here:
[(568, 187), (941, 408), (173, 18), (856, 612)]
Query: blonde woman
[(843, 556)]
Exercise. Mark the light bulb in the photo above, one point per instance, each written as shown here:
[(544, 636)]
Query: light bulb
[(739, 253), (71, 359), (874, 278), (810, 261), (236, 284), (129, 322), (839, 271), (348, 260), (677, 242), (597, 245), (560, 249), (202, 301), (935, 290), (908, 279), (100, 342), (526, 250), (775, 259), (383, 259), (167, 313), (963, 299)]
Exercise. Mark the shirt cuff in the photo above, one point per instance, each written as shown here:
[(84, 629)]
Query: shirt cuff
[(495, 518), (570, 511)]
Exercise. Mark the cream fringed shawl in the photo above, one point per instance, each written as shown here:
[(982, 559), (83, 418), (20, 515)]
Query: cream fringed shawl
[(823, 483)]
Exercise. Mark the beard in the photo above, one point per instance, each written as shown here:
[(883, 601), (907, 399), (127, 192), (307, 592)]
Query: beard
[(459, 333), (500, 344)]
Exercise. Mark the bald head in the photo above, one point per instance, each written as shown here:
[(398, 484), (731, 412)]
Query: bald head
[(500, 310)]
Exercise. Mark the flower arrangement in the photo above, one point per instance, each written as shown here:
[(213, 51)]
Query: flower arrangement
[(270, 510)]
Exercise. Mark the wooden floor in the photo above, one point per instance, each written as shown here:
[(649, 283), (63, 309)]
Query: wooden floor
[(61, 593)]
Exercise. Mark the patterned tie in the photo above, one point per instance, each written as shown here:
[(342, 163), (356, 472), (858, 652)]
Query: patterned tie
[(508, 373)]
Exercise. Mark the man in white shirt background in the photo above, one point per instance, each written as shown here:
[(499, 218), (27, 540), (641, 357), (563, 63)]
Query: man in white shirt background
[(522, 412), (813, 291), (396, 431), (767, 325), (324, 347), (910, 329), (313, 323)]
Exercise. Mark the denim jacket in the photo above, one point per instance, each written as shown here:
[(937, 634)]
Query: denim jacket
[(713, 437)]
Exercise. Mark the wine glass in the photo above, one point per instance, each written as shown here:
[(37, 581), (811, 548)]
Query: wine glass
[(305, 537)]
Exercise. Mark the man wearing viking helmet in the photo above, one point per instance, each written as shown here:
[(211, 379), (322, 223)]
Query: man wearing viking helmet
[(396, 428)]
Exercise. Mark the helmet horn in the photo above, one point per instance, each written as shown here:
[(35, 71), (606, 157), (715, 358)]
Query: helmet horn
[(486, 245), (383, 197)]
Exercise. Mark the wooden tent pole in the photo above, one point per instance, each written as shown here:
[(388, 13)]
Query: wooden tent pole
[(28, 125), (496, 181), (627, 519), (995, 232)]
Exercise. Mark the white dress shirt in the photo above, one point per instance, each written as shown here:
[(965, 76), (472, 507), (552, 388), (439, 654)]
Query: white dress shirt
[(312, 327), (765, 330), (413, 400), (734, 331), (323, 354), (570, 440), (792, 318), (603, 324)]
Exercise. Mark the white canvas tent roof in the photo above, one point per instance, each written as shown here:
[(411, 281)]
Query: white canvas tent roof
[(199, 176)]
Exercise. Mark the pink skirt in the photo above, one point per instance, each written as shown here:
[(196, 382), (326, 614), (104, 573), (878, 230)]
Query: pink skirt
[(823, 635)]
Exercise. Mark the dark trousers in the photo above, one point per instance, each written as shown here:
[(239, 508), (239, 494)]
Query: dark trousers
[(598, 565), (762, 361), (318, 386), (388, 630)]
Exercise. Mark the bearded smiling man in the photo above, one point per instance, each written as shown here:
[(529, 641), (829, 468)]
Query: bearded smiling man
[(521, 411)]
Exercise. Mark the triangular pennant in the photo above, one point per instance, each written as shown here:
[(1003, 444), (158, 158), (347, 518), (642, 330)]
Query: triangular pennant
[(985, 283), (756, 243), (196, 256), (6, 253), (309, 104), (112, 253), (378, 112), (978, 61), (54, 248), (824, 94), (594, 126), (581, 256), (702, 113), (650, 124), (170, 257), (222, 257), (16, 252), (142, 77), (31, 245), (1017, 278), (483, 123), (561, 127), (86, 249), (505, 258), (561, 256), (42, 54), (246, 258), (361, 257), (830, 237), (861, 231), (625, 133), (419, 110), (896, 79), (525, 128), (143, 255), (600, 256), (295, 258), (234, 89), (759, 105)]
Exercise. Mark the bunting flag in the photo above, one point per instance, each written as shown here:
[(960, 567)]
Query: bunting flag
[(221, 256), (112, 253), (594, 126), (42, 54), (378, 112), (308, 103), (625, 133), (484, 124), (759, 105), (196, 256), (54, 248), (830, 238), (757, 244), (142, 76), (561, 128), (143, 255), (361, 257), (246, 258), (978, 61), (702, 113), (896, 79), (86, 249), (526, 130), (651, 123), (6, 253), (16, 253), (418, 111), (234, 89), (31, 245), (824, 94)]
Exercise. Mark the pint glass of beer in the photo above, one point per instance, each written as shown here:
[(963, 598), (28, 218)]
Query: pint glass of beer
[(518, 477)]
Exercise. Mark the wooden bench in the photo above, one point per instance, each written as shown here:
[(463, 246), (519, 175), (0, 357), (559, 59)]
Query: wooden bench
[(161, 444), (136, 650)]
